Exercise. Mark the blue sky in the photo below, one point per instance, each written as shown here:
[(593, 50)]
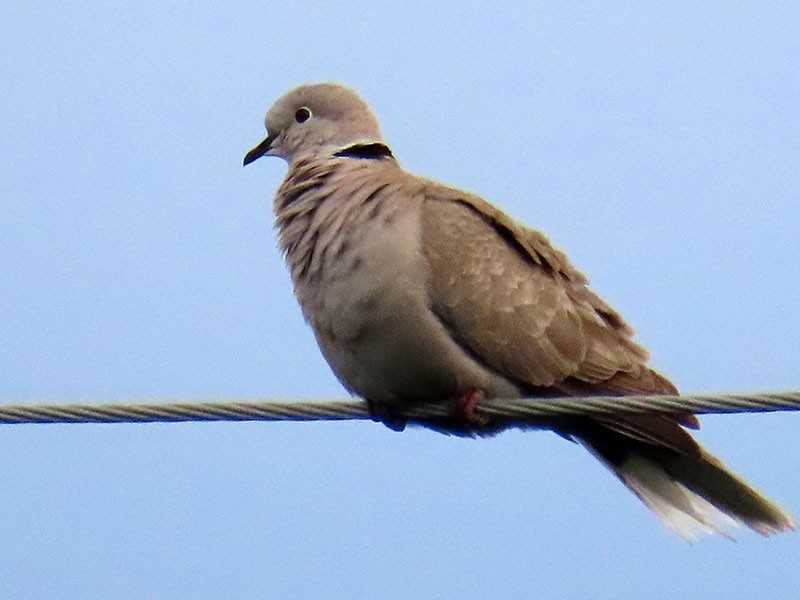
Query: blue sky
[(658, 144)]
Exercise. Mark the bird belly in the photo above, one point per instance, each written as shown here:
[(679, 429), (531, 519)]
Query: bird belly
[(400, 353), (372, 319)]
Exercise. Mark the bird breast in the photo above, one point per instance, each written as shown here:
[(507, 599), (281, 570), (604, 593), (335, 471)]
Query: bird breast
[(348, 243), (350, 230)]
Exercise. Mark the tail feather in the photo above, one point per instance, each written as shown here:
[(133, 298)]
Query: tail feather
[(693, 494)]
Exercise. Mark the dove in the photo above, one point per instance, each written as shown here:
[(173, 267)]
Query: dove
[(418, 292)]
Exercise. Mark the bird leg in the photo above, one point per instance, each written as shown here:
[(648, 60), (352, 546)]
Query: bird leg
[(381, 413), (464, 409)]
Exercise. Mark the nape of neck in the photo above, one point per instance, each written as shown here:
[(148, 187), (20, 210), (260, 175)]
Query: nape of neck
[(371, 151)]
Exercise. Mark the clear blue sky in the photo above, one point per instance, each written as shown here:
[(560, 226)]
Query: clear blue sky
[(658, 144)]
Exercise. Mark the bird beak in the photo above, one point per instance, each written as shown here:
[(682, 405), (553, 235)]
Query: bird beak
[(259, 150)]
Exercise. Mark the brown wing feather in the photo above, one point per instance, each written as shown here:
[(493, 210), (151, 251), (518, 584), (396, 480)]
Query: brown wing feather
[(517, 303)]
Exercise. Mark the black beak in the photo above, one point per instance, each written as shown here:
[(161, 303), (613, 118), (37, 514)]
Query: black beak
[(259, 150)]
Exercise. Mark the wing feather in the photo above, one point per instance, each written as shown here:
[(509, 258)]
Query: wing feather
[(517, 303)]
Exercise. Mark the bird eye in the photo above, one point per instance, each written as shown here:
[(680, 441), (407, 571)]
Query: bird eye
[(302, 115)]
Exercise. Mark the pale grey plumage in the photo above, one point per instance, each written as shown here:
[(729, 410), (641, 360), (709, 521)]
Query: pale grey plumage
[(418, 292)]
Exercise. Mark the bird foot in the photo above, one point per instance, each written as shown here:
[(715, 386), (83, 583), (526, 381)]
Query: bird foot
[(381, 413), (464, 409)]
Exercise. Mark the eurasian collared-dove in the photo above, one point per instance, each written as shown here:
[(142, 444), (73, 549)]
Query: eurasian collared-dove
[(418, 292)]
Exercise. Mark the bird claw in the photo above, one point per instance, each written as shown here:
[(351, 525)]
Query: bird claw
[(463, 412), (464, 409), (381, 413)]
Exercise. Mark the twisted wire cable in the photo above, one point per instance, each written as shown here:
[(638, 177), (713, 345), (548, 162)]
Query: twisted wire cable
[(521, 411)]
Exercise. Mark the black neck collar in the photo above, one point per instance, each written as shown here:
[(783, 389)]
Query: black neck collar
[(372, 151)]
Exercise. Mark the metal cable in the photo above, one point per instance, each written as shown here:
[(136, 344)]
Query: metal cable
[(511, 412)]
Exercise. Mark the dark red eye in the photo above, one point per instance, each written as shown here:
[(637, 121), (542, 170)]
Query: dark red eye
[(302, 115)]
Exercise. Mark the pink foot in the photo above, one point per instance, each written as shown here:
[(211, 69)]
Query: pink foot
[(464, 409)]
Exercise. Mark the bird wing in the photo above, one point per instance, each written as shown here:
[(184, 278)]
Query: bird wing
[(515, 302)]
